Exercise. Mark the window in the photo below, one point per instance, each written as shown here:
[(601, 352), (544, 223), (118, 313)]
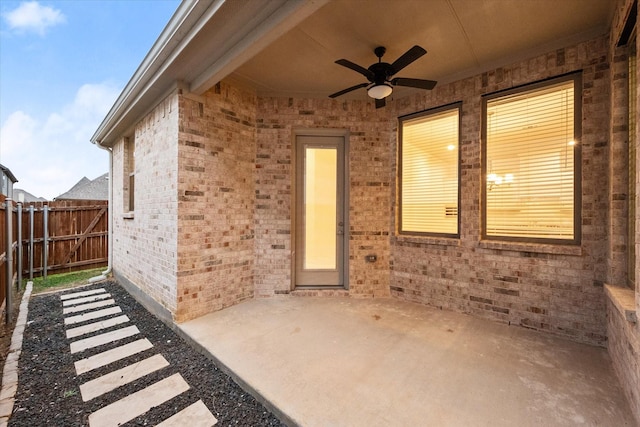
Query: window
[(429, 172), (532, 163), (129, 174), (633, 97)]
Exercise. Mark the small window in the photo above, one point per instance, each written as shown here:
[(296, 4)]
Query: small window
[(429, 172), (633, 99), (532, 163), (129, 174)]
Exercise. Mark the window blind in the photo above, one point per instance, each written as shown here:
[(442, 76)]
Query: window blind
[(129, 170), (530, 173), (429, 173), (631, 224)]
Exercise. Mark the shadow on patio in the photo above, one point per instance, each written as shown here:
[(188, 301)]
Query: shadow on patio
[(383, 362)]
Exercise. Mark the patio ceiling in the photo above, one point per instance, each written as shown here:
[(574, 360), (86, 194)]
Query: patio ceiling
[(462, 37), (288, 47)]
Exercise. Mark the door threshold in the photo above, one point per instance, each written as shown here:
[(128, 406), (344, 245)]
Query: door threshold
[(317, 291)]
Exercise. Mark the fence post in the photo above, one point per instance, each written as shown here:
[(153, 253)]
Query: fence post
[(45, 241), (19, 248), (31, 209), (9, 273)]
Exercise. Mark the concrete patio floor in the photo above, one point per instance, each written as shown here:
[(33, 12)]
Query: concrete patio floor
[(383, 362)]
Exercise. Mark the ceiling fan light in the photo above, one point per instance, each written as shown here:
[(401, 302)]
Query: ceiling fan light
[(380, 91)]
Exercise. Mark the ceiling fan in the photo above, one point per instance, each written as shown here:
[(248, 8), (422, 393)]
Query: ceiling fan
[(379, 74)]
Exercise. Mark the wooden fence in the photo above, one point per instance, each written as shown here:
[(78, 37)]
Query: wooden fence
[(76, 233)]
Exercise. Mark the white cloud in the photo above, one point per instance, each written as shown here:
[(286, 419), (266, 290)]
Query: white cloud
[(33, 17), (16, 133), (49, 156), (81, 118)]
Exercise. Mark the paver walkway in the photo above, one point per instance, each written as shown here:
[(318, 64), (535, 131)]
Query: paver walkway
[(95, 356), (88, 308)]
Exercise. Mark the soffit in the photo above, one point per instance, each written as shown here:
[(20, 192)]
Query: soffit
[(204, 41), (462, 38), (288, 47)]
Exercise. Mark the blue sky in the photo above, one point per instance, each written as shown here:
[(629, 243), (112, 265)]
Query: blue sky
[(62, 66)]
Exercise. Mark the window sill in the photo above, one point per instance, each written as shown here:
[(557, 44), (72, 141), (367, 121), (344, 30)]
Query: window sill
[(623, 300), (127, 215), (531, 247), (428, 240)]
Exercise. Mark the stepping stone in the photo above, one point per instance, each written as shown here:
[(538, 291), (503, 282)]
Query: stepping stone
[(115, 379), (89, 306), (110, 356), (85, 299), (107, 337), (96, 326), (92, 315), (195, 415), (82, 294), (138, 403)]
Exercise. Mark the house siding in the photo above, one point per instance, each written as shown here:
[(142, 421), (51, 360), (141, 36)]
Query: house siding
[(212, 224), (145, 240), (623, 335), (558, 289), (216, 157), (369, 178), (231, 205)]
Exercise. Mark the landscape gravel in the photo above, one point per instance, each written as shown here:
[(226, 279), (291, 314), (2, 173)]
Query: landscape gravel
[(48, 387)]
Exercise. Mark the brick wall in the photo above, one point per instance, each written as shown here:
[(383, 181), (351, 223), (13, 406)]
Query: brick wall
[(217, 224), (145, 240), (233, 188), (619, 161), (553, 288), (624, 349), (623, 335), (369, 186), (216, 157)]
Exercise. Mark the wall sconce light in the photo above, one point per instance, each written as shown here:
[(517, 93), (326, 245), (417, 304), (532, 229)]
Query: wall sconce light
[(495, 179)]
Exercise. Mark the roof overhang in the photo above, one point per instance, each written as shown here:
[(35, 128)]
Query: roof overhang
[(288, 47), (8, 173), (203, 43)]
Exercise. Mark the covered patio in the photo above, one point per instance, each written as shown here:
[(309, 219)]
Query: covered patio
[(384, 362), (213, 138)]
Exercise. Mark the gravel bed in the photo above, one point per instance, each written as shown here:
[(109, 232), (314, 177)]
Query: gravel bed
[(48, 387)]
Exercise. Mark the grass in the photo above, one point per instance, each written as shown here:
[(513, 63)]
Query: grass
[(70, 393), (64, 280)]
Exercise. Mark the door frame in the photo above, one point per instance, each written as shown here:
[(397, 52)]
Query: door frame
[(320, 132)]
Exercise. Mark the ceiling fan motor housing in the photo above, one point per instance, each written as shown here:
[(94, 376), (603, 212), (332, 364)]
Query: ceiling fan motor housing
[(381, 72)]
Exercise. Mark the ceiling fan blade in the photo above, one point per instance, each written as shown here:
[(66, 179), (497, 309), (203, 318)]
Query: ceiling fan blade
[(349, 89), (380, 103), (419, 83), (408, 57), (357, 68)]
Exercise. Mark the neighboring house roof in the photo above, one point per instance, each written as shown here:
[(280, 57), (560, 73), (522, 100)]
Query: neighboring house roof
[(288, 47), (24, 196), (8, 173), (86, 189)]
